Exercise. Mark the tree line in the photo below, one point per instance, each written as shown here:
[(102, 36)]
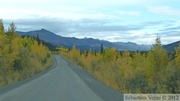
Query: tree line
[(20, 57), (155, 71)]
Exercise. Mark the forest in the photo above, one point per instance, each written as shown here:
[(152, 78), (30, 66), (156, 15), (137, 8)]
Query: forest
[(155, 71), (20, 57)]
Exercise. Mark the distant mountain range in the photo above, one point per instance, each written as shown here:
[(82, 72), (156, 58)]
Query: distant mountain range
[(171, 47), (83, 44)]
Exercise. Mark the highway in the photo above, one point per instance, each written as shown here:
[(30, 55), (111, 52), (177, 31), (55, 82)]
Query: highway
[(65, 82)]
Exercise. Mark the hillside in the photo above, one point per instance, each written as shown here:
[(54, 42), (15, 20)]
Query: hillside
[(171, 47), (83, 44)]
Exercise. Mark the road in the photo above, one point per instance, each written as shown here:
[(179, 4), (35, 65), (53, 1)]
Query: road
[(66, 82)]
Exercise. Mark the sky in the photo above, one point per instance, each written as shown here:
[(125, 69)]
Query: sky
[(139, 21)]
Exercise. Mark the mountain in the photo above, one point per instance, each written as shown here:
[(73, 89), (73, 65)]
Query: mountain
[(131, 46), (171, 47), (83, 44)]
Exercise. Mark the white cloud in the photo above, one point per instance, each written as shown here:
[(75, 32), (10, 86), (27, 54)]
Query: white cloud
[(61, 13), (168, 40), (164, 10), (115, 20), (135, 13), (14, 13), (100, 3), (69, 8)]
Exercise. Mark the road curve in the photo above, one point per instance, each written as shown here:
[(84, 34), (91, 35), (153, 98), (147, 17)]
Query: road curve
[(66, 82)]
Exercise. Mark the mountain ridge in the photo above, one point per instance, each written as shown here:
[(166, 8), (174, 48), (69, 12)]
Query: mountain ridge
[(172, 46), (84, 43)]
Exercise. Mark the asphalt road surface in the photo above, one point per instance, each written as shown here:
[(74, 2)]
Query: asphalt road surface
[(65, 82)]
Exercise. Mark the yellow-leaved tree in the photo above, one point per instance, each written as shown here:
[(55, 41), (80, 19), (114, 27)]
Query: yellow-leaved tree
[(158, 60), (20, 57), (176, 83)]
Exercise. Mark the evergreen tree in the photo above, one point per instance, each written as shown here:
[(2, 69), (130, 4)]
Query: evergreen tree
[(102, 49), (38, 40)]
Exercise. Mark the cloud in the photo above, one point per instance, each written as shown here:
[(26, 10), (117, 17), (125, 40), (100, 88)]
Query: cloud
[(168, 37), (100, 3), (167, 40), (74, 26), (165, 10), (104, 28), (96, 28), (134, 13), (69, 8), (35, 24), (174, 28), (156, 23)]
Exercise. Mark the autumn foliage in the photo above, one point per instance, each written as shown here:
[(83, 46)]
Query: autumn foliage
[(154, 71), (20, 58)]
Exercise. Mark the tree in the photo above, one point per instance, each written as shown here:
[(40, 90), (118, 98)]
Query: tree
[(11, 32), (158, 60), (38, 40), (109, 54), (12, 27), (1, 26), (2, 36), (20, 57), (177, 71), (74, 53), (177, 56), (133, 72), (158, 56), (102, 49)]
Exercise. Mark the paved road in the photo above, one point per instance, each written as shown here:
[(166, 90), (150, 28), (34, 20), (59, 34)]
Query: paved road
[(66, 82)]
